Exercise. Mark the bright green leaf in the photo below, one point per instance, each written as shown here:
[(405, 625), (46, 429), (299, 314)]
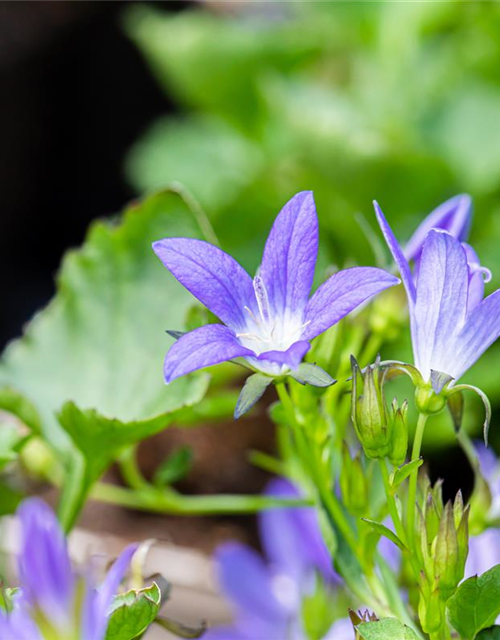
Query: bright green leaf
[(101, 342), (132, 613), (386, 629), (476, 604)]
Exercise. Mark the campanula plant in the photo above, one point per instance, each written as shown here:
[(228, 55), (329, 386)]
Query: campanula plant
[(269, 320)]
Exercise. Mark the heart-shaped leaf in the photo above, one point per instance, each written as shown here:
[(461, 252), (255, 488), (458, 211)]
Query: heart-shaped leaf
[(133, 612), (476, 604)]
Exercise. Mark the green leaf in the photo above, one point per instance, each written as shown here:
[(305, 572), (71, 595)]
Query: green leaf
[(382, 530), (493, 633), (308, 373), (253, 390), (174, 467), (101, 342), (386, 629), (476, 604), (400, 474), (133, 612)]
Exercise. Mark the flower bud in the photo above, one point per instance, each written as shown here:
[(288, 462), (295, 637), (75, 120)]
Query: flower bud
[(399, 442), (353, 483), (429, 402), (431, 609), (369, 415)]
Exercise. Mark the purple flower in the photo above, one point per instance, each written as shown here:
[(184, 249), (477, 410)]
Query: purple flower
[(267, 602), (454, 216), (451, 324), (270, 319), (51, 590)]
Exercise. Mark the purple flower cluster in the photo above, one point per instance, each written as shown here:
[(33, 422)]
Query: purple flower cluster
[(54, 602), (267, 596)]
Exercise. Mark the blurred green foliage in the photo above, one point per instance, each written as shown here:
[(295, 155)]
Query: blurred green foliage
[(394, 101)]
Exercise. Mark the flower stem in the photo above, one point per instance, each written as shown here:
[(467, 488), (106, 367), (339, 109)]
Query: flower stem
[(161, 501), (412, 488), (130, 469), (391, 503)]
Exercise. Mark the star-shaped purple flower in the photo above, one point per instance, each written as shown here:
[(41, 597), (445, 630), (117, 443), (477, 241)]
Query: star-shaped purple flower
[(54, 599), (452, 324), (268, 320)]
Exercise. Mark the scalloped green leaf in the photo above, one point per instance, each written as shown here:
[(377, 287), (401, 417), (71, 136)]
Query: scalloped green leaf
[(133, 612), (101, 342), (386, 629)]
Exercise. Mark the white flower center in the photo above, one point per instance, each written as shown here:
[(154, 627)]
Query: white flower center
[(265, 332)]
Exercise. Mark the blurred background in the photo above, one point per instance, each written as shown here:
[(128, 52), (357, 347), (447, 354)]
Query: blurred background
[(245, 104)]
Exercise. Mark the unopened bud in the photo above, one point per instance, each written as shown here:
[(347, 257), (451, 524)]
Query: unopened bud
[(353, 483), (399, 442), (427, 401), (446, 554), (369, 414)]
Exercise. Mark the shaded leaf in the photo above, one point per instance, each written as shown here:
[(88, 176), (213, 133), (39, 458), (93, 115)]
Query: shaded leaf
[(493, 633), (476, 604)]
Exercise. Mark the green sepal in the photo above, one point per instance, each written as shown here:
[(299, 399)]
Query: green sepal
[(308, 373), (439, 380), (456, 408), (252, 391), (486, 403), (382, 530)]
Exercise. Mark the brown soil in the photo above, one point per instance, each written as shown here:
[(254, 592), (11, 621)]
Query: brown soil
[(220, 465)]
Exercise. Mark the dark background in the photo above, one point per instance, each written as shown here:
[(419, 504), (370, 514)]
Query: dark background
[(75, 95)]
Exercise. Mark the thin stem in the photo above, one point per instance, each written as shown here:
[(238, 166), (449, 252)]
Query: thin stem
[(412, 488), (391, 503), (160, 501), (74, 492), (130, 469)]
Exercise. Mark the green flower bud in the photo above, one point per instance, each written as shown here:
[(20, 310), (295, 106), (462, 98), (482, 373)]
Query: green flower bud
[(353, 483), (369, 415), (431, 610), (446, 554), (399, 442), (429, 402)]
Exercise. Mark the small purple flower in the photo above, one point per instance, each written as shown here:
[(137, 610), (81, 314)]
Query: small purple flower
[(55, 601), (270, 319), (451, 324), (267, 597)]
